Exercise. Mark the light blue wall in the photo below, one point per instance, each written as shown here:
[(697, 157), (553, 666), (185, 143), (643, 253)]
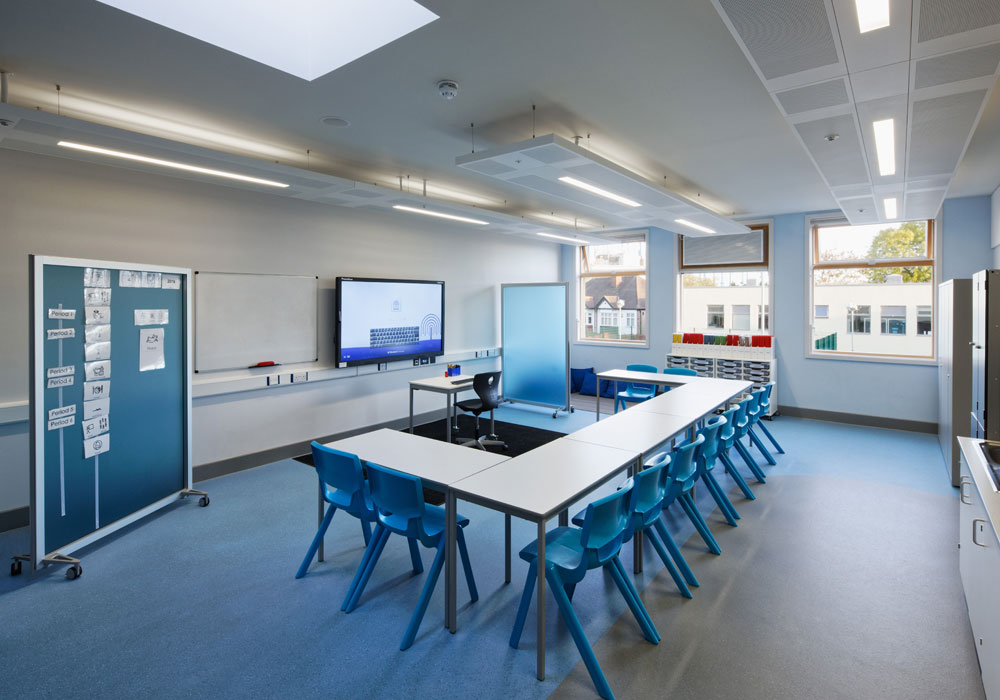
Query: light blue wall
[(867, 388)]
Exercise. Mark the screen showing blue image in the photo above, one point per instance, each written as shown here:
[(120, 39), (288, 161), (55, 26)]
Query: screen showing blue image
[(383, 320)]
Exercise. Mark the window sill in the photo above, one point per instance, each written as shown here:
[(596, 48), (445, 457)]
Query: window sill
[(613, 343), (874, 359)]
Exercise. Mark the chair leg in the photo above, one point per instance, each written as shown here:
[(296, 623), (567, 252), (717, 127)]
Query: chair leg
[(522, 609), (668, 564), (376, 536), (418, 563), (755, 439), (631, 595), (576, 629), (751, 462), (725, 505), (687, 503), (470, 579), (737, 477), (366, 530), (359, 589), (675, 552), (570, 590), (770, 437), (425, 598), (314, 545)]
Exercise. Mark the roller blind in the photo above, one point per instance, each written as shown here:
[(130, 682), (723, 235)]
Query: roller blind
[(723, 251)]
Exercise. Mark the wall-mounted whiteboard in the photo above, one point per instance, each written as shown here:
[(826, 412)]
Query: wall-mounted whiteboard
[(243, 319)]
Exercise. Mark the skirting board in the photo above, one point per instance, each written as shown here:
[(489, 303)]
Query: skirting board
[(14, 518), (915, 426)]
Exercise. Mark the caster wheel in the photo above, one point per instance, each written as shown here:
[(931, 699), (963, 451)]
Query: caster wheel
[(203, 501), (15, 568), (555, 414), (73, 572), (572, 409), (506, 447)]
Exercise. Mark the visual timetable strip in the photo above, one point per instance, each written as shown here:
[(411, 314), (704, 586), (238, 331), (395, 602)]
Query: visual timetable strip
[(57, 378), (96, 424)]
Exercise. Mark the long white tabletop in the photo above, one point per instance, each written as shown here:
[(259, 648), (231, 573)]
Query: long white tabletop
[(640, 432), (693, 401)]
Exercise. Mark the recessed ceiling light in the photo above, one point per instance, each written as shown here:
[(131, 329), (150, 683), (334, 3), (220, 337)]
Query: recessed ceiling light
[(335, 121), (169, 164), (303, 37), (696, 227), (889, 204), (561, 238), (440, 214), (885, 146), (593, 189), (872, 14)]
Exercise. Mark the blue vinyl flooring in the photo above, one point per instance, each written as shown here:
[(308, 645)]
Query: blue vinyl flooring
[(203, 601)]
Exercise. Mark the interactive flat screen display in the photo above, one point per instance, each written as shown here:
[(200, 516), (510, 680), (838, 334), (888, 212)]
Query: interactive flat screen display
[(379, 320)]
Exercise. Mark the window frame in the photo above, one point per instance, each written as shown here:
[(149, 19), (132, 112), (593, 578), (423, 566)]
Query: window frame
[(933, 253), (581, 274)]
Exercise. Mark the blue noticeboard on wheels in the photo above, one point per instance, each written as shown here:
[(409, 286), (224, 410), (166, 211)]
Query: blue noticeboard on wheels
[(110, 399)]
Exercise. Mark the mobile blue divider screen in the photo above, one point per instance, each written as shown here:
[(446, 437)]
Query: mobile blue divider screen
[(535, 339), (110, 399)]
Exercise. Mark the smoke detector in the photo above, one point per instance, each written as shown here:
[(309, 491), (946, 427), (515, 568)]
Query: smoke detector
[(448, 89)]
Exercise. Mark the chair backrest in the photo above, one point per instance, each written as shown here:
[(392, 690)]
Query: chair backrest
[(641, 368), (684, 371), (765, 399), (709, 449), (604, 524), (398, 499), (682, 470), (341, 474), (729, 429), (754, 409), (487, 387), (742, 420), (650, 488)]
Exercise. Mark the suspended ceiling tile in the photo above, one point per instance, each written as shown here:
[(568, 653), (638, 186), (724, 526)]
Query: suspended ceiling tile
[(940, 129), (840, 162)]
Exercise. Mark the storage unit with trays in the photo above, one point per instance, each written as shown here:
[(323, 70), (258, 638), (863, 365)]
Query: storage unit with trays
[(752, 364)]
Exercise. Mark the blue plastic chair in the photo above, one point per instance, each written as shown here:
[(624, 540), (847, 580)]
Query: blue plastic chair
[(754, 412), (650, 489), (705, 458), (765, 407), (636, 392), (683, 371), (682, 476), (571, 552), (727, 438), (742, 430), (399, 504)]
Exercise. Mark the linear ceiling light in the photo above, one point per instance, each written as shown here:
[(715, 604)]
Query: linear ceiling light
[(885, 146), (440, 215), (872, 14), (696, 227), (599, 192), (889, 205), (561, 238), (169, 164)]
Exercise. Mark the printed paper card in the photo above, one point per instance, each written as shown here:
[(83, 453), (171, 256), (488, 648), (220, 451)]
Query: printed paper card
[(95, 426), (66, 314), (60, 371), (60, 333), (151, 354), (57, 382), (172, 282), (96, 371), (62, 411), (152, 317), (96, 277), (97, 407), (96, 390), (97, 315), (65, 422), (151, 280), (97, 351), (98, 334), (96, 296), (96, 446), (129, 278)]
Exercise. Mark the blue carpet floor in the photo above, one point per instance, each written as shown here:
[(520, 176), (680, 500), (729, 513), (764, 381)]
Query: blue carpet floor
[(203, 601)]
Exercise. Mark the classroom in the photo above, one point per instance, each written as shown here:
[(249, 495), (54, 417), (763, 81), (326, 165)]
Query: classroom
[(658, 333)]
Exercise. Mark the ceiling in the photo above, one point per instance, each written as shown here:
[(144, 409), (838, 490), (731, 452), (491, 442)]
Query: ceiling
[(659, 87)]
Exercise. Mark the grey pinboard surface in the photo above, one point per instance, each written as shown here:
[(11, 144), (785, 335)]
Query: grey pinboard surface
[(244, 319)]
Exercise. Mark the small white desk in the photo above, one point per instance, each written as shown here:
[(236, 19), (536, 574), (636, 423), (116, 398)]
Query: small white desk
[(537, 486), (627, 375), (441, 385)]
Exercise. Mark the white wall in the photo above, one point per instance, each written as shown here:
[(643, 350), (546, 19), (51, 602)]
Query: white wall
[(60, 207), (995, 219)]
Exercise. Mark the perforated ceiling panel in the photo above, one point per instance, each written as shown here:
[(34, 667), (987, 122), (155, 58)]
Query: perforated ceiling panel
[(961, 65), (939, 18), (940, 130), (783, 36), (841, 162), (819, 96), (923, 205)]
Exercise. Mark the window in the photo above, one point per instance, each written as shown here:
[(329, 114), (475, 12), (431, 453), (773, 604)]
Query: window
[(893, 320), (889, 268), (716, 316), (741, 317), (923, 320), (716, 272), (612, 284)]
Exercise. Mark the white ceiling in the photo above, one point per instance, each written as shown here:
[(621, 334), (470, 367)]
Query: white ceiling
[(660, 87)]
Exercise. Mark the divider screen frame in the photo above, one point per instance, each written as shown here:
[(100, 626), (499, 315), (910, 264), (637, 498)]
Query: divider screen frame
[(536, 311)]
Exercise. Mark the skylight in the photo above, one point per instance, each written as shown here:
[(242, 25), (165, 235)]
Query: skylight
[(307, 38)]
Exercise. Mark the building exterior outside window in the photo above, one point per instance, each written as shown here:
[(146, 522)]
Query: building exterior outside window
[(716, 316), (612, 290)]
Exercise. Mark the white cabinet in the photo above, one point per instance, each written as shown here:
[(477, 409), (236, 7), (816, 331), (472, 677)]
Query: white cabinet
[(757, 365), (954, 333)]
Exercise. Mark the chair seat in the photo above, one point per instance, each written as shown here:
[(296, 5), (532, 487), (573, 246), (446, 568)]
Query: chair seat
[(562, 548), (433, 521), (635, 394), (471, 406)]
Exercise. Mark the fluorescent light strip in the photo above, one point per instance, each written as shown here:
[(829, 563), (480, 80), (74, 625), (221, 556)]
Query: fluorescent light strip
[(564, 220), (561, 238), (169, 164), (889, 205), (872, 14), (598, 191), (696, 227), (440, 215), (885, 146)]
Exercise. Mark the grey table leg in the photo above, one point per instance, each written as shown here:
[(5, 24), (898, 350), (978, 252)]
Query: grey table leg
[(451, 536), (506, 533), (411, 409), (541, 602), (564, 518), (447, 403), (597, 407), (615, 393), (320, 514), (637, 537)]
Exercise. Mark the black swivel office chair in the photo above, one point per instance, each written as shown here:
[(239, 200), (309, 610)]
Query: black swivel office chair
[(487, 386)]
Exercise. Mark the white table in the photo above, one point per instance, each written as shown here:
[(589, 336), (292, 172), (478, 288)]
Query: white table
[(438, 464), (695, 400), (449, 386), (628, 375), (537, 486)]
